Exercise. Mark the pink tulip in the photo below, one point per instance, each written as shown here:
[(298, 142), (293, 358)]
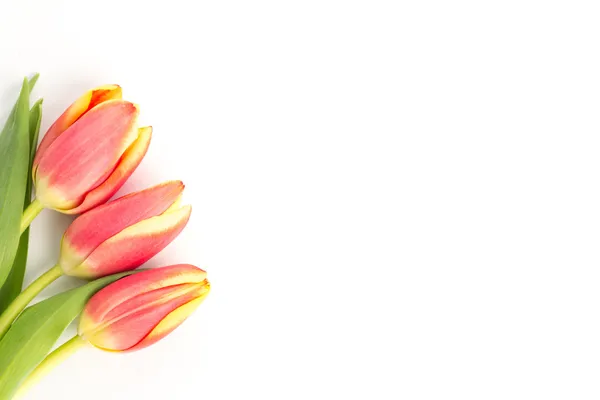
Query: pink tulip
[(125, 233), (89, 152), (140, 309), (132, 313)]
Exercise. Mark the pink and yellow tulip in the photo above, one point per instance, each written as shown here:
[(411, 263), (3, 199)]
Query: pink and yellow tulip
[(89, 152), (125, 233), (132, 313), (140, 309)]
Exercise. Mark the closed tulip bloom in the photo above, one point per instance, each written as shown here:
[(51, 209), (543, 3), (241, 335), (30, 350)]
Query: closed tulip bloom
[(125, 233), (140, 309), (132, 313), (89, 152)]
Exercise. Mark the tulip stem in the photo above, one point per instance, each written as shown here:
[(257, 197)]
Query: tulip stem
[(30, 213), (21, 301), (51, 361)]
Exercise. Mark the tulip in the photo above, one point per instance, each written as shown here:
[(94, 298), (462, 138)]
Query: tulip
[(116, 237), (123, 234), (142, 308), (88, 153), (133, 312)]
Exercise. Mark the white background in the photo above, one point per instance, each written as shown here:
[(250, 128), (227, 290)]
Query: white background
[(393, 199)]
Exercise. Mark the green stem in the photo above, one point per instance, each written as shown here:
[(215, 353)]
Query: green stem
[(30, 213), (21, 301), (51, 361)]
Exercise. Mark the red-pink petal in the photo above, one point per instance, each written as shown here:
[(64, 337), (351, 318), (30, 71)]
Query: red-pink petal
[(93, 228), (129, 162), (170, 322), (133, 246), (130, 322), (141, 282), (82, 105)]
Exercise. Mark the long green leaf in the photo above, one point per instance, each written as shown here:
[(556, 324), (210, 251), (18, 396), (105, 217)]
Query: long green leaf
[(14, 282), (35, 332), (14, 165)]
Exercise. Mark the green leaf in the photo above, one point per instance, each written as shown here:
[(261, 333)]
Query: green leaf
[(35, 122), (14, 165), (14, 282), (35, 332), (32, 81)]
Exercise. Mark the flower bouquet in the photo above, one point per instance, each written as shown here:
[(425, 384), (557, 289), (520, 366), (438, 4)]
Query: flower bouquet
[(84, 158)]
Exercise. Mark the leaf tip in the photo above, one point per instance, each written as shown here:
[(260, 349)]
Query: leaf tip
[(32, 81)]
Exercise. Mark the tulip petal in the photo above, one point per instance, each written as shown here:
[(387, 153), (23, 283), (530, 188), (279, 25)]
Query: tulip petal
[(176, 204), (132, 286), (82, 105), (91, 229), (131, 321), (66, 172), (169, 323), (134, 245), (129, 162)]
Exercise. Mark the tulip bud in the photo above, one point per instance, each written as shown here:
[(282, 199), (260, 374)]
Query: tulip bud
[(89, 152), (140, 309), (125, 233)]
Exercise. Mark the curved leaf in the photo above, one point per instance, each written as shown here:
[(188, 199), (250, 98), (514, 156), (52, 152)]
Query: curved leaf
[(14, 282), (35, 332), (14, 164)]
